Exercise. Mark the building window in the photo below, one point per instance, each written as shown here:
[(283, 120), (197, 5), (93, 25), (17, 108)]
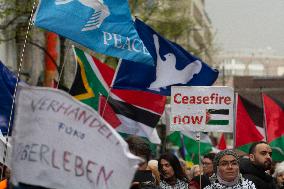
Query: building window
[(280, 71), (255, 69)]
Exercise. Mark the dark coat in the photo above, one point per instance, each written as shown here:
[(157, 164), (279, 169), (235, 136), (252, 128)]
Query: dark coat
[(257, 175)]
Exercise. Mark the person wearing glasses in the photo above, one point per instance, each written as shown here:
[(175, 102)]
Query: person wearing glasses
[(227, 173), (207, 171), (207, 164)]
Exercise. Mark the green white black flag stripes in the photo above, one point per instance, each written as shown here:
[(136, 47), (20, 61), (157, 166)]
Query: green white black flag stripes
[(205, 142), (187, 140), (217, 116), (141, 110)]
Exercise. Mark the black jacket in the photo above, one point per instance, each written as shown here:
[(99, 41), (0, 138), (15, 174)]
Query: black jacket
[(256, 174)]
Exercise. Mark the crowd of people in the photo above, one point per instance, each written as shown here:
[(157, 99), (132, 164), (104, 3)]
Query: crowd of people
[(226, 169)]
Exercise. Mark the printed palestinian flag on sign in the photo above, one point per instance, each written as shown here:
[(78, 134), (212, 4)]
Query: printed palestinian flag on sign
[(217, 116)]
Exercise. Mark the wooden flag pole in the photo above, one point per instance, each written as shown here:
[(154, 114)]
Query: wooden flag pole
[(235, 109), (110, 87)]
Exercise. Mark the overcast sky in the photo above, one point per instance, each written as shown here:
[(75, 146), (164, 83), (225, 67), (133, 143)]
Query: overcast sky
[(246, 24)]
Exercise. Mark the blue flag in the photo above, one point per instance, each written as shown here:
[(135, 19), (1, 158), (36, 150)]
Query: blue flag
[(7, 87), (104, 26), (171, 65)]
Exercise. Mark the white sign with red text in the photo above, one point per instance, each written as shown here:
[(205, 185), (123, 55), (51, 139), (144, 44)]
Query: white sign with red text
[(205, 109), (59, 142)]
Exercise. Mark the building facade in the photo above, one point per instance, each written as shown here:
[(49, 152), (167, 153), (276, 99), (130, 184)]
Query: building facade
[(248, 63), (202, 34)]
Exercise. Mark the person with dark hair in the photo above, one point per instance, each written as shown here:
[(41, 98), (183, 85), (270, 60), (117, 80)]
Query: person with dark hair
[(141, 148), (207, 164), (254, 168), (172, 175), (226, 172), (143, 178), (207, 167)]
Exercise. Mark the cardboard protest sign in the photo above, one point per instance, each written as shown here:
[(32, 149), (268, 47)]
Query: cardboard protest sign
[(58, 142), (202, 109)]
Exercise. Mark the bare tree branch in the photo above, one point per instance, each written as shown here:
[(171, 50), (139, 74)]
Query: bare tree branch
[(45, 51), (14, 19)]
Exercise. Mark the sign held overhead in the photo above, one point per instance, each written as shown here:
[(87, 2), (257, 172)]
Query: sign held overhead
[(201, 108), (59, 139)]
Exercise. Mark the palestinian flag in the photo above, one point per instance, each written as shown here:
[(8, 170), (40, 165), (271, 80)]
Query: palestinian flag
[(255, 112), (129, 119), (217, 116), (246, 131), (274, 120), (93, 78), (106, 111), (222, 145)]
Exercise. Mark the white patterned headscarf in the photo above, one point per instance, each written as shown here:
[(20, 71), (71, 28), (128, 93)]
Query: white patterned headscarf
[(220, 154)]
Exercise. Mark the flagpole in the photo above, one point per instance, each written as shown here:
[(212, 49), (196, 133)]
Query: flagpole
[(15, 91), (235, 109), (64, 62), (75, 58), (264, 115), (110, 88), (108, 95), (198, 134), (115, 73)]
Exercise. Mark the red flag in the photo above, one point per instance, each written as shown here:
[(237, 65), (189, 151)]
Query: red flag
[(274, 118), (138, 111), (107, 113), (222, 143), (246, 131), (50, 61)]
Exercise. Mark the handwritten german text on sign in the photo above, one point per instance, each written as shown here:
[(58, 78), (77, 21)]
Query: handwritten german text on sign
[(62, 143)]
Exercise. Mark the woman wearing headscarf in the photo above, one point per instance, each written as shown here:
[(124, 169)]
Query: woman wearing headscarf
[(227, 173), (278, 175), (171, 173)]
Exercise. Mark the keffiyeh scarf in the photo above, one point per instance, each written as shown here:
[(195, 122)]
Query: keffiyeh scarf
[(242, 184), (179, 185)]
